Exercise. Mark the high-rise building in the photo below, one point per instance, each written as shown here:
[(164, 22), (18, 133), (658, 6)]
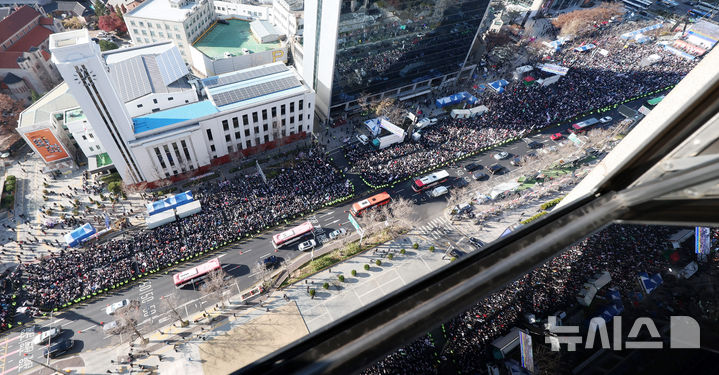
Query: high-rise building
[(374, 49)]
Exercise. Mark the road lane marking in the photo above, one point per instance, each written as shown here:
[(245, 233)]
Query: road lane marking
[(336, 221), (59, 320), (10, 340), (9, 354), (9, 370), (327, 214), (233, 268)]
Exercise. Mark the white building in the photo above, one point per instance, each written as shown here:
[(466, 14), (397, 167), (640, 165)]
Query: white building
[(151, 121), (181, 21), (287, 16), (241, 9)]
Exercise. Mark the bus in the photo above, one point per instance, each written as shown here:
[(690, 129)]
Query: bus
[(430, 180), (292, 235), (195, 274), (374, 201), (583, 126)]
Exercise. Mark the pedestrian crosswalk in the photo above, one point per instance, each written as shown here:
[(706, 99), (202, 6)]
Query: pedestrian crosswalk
[(436, 228)]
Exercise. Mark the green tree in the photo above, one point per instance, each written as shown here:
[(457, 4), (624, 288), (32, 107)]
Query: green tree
[(115, 187), (341, 278), (99, 8), (326, 285), (366, 267), (34, 96), (378, 262), (354, 273), (106, 45)]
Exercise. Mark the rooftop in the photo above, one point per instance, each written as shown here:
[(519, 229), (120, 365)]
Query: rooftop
[(34, 38), (58, 99), (253, 85), (164, 10), (173, 116), (15, 21), (232, 38)]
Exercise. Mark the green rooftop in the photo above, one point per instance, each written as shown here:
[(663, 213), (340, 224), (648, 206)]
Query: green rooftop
[(231, 38), (103, 160)]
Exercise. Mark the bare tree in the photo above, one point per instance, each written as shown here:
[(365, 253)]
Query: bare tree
[(128, 320), (386, 107), (170, 302), (401, 215), (581, 21), (264, 274), (215, 286)]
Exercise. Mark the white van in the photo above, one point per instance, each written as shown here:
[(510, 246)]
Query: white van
[(438, 191)]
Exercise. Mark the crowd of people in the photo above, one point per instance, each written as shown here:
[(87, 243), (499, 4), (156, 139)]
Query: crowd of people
[(623, 250), (231, 209), (593, 81)]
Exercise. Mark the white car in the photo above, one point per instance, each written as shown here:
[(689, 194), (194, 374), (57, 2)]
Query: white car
[(115, 306), (43, 337), (438, 191), (605, 120), (307, 245), (4, 155), (337, 233), (363, 139), (501, 155)]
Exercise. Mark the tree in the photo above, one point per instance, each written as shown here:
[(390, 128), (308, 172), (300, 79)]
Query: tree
[(170, 302), (581, 21), (106, 45), (215, 285), (112, 22), (386, 107), (99, 8), (73, 23), (9, 112), (128, 320)]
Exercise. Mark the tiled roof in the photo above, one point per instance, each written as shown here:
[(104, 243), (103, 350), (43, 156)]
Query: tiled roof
[(14, 22), (8, 59), (34, 38), (46, 55), (46, 21)]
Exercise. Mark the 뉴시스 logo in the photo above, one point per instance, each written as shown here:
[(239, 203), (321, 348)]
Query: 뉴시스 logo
[(683, 334)]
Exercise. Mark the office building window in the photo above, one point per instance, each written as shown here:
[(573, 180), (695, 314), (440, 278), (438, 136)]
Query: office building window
[(227, 138), (282, 110), (209, 135), (212, 148), (254, 117), (184, 148), (292, 107), (235, 123), (300, 105), (244, 120), (225, 125), (237, 135), (169, 155), (264, 127), (247, 132), (264, 114), (274, 111), (292, 120), (248, 144), (257, 130)]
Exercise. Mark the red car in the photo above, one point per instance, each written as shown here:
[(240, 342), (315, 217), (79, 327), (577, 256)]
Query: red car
[(556, 136)]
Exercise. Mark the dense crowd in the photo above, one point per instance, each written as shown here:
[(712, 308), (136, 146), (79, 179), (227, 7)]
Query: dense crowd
[(593, 81), (623, 250), (230, 209)]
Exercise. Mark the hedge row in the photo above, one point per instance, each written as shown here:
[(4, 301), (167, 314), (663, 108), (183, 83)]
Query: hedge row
[(535, 217), (550, 204)]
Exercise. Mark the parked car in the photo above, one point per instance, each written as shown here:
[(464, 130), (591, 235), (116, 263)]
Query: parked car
[(472, 167), (363, 139), (59, 348), (605, 119), (338, 233), (476, 242), (438, 191), (516, 161), (460, 182), (479, 176), (307, 245), (111, 327), (271, 262), (556, 136), (501, 155), (43, 337), (495, 169), (115, 306), (457, 253), (462, 209), (532, 143)]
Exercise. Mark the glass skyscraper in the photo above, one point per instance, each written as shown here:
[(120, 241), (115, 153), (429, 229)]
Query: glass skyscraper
[(376, 48)]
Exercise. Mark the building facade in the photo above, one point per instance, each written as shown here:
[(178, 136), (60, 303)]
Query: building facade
[(159, 125), (287, 16), (25, 64), (181, 21), (241, 9), (372, 48)]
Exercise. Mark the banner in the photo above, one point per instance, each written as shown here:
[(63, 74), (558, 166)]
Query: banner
[(46, 145), (525, 347), (554, 69), (702, 242)]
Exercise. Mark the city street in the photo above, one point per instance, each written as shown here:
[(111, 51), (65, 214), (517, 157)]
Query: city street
[(84, 322)]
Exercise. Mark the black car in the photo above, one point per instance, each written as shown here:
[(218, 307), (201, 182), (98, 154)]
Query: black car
[(271, 262), (479, 176), (495, 168), (59, 348), (456, 253), (532, 143), (472, 167), (476, 242), (460, 182)]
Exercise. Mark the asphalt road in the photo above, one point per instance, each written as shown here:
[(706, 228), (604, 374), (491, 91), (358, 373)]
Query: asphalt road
[(84, 323)]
